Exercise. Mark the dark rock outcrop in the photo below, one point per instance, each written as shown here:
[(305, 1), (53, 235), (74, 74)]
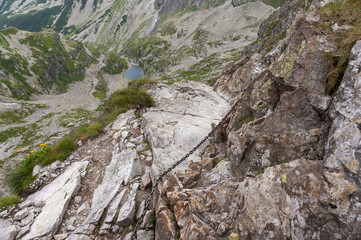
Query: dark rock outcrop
[(293, 164)]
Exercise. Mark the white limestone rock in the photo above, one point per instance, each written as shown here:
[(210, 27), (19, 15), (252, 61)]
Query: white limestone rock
[(36, 170), (78, 237), (22, 232), (141, 208), (56, 197), (8, 231), (138, 140), (127, 211), (122, 120), (142, 147), (147, 222), (83, 207), (61, 236), (182, 118), (25, 204), (112, 210), (123, 167), (77, 199), (21, 214)]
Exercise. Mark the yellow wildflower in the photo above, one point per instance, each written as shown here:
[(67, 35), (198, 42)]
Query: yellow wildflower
[(20, 148), (32, 151), (43, 145), (283, 178)]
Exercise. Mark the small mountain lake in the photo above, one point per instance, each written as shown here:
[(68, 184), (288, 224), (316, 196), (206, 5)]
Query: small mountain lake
[(134, 72)]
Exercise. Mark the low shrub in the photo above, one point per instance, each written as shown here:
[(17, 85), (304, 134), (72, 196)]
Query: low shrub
[(141, 82), (88, 131), (21, 176), (123, 100)]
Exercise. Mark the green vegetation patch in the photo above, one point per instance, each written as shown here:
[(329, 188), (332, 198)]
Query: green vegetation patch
[(101, 88), (168, 29), (9, 201), (344, 14), (114, 64), (219, 159), (208, 68), (21, 176), (34, 21), (246, 120), (192, 8), (141, 83), (273, 3), (123, 100), (16, 67), (18, 115), (150, 52), (10, 117), (75, 115), (54, 64), (3, 42)]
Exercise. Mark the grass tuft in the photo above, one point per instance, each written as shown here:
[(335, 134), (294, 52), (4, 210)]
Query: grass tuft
[(344, 14), (141, 83), (9, 200), (123, 100)]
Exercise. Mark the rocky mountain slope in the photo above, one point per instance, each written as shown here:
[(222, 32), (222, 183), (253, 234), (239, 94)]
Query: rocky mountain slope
[(194, 39), (286, 164), (48, 86), (39, 63)]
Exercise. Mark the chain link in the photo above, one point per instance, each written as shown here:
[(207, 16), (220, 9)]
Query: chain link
[(147, 203)]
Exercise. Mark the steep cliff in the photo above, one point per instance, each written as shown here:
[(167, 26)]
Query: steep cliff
[(289, 165)]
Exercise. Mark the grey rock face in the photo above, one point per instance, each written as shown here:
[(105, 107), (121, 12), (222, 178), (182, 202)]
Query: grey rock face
[(178, 5), (123, 167), (344, 143), (146, 235), (292, 131), (123, 120), (294, 152), (182, 118), (8, 230)]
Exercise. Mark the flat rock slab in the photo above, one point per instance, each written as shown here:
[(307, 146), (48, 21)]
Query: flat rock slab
[(122, 168), (8, 231), (56, 197), (182, 118), (127, 211)]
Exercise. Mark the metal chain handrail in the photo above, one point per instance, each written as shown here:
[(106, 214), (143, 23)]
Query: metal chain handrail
[(141, 217)]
